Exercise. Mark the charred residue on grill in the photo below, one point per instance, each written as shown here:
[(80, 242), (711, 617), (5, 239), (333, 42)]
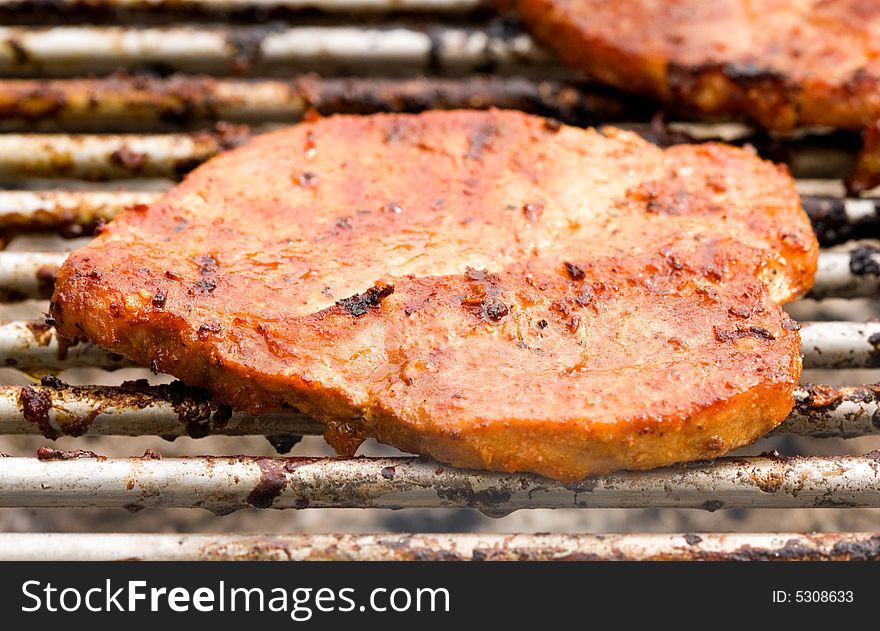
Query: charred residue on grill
[(272, 481), (194, 409), (816, 401), (460, 492), (830, 221), (35, 405), (47, 453), (484, 296), (51, 381), (862, 261), (360, 304)]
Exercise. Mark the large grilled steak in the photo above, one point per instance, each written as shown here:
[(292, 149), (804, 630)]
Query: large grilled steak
[(491, 289)]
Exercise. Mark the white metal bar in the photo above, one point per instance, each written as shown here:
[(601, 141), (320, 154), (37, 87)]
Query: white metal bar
[(391, 50), (26, 275), (172, 411), (109, 156), (854, 274), (70, 212), (225, 484), (35, 346), (440, 547), (840, 344)]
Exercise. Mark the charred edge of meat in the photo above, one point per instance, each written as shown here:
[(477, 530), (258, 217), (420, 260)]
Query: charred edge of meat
[(360, 304), (863, 261), (47, 453), (757, 93)]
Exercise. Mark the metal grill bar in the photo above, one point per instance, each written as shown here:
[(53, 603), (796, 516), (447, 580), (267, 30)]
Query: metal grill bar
[(34, 345), (441, 547), (840, 344), (837, 220), (105, 157), (171, 411), (135, 409), (109, 156), (840, 275), (393, 50), (226, 484), (213, 6), (854, 274), (74, 213), (25, 275), (120, 102)]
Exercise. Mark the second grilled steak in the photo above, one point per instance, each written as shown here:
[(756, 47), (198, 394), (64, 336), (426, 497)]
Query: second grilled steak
[(491, 289), (781, 63)]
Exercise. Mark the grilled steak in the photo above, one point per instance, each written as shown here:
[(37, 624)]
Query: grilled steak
[(778, 63), (491, 289)]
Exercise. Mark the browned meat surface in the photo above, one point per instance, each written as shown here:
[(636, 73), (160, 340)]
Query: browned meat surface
[(781, 63), (866, 175), (488, 288)]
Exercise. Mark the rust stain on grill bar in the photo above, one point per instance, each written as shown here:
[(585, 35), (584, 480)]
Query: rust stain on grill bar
[(47, 453)]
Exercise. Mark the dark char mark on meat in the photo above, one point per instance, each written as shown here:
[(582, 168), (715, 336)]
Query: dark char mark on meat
[(752, 331), (485, 296), (359, 304)]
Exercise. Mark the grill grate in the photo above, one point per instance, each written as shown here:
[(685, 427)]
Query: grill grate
[(93, 134)]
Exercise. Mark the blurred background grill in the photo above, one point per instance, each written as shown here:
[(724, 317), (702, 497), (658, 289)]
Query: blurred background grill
[(105, 103)]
